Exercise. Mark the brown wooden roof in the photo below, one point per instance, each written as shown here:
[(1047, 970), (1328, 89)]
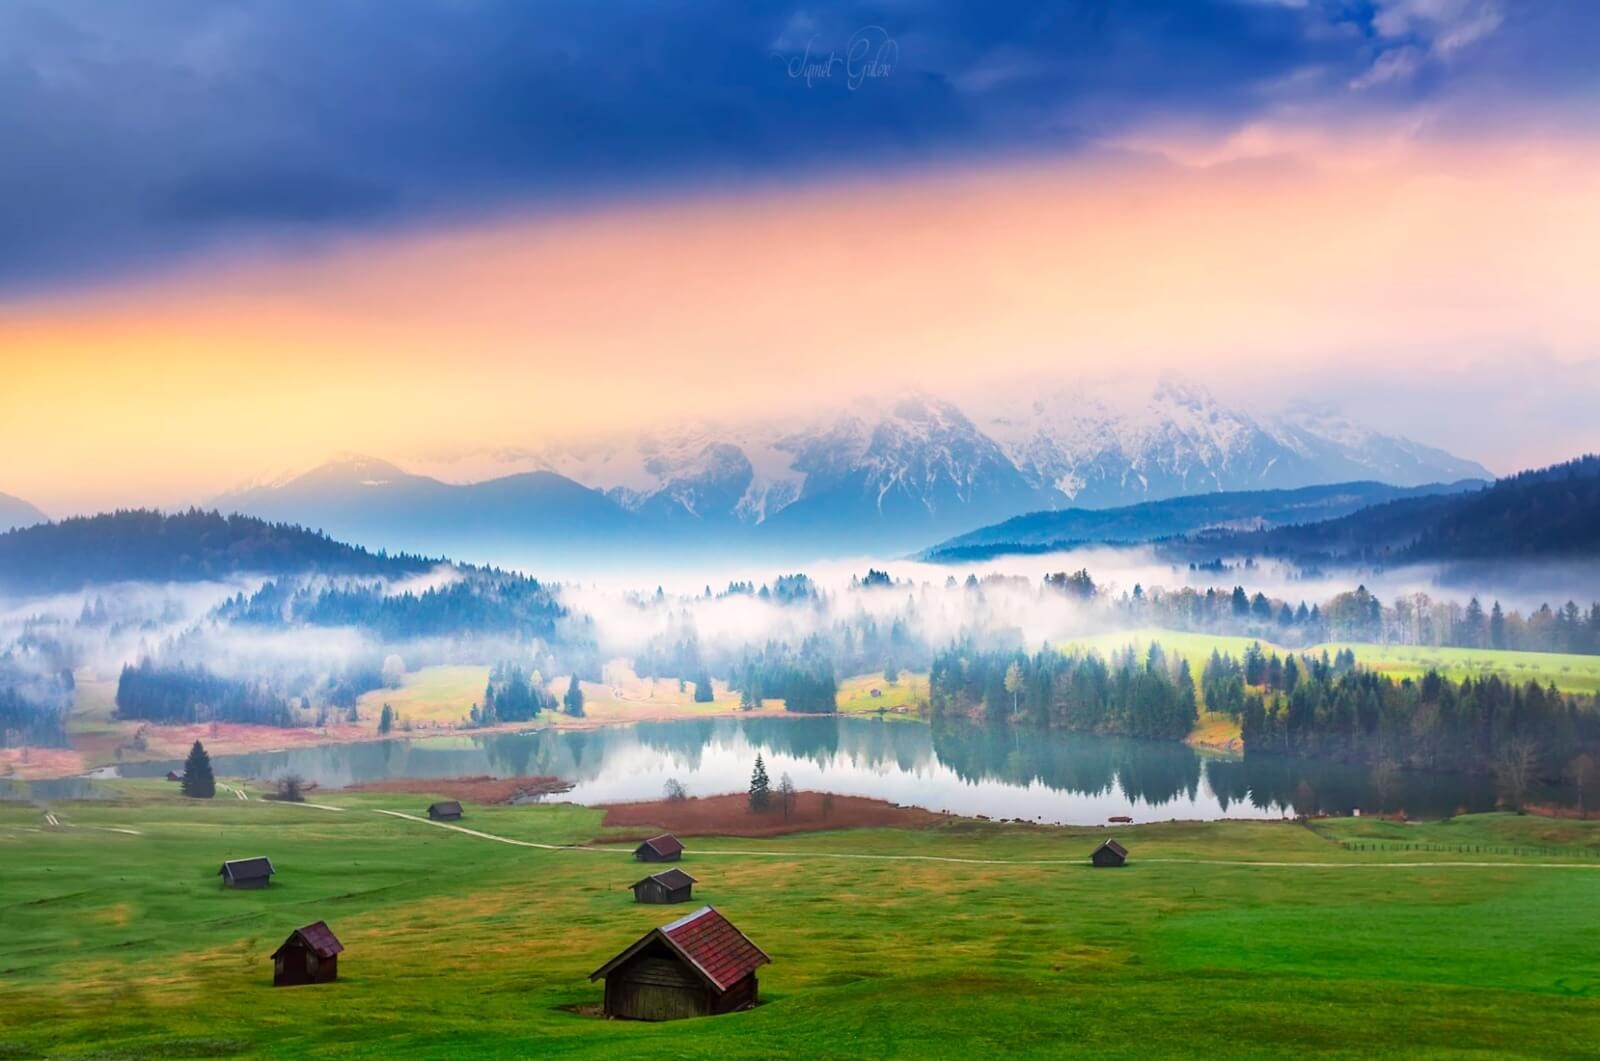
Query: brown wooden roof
[(1112, 845), (318, 938), (708, 942), (665, 845), (672, 878)]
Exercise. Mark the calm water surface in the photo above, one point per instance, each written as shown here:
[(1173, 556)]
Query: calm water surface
[(965, 768)]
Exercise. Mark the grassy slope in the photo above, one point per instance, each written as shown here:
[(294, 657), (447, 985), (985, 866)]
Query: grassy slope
[(1570, 673), (464, 946)]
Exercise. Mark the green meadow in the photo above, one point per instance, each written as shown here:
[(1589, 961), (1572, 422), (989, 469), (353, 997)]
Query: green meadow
[(1574, 674), (1470, 937)]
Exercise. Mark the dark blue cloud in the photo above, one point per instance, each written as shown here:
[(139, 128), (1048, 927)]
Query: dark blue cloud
[(131, 133)]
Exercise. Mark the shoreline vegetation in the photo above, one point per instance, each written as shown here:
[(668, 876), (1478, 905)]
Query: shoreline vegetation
[(430, 704)]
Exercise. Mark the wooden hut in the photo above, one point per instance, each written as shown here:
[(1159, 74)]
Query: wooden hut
[(1109, 853), (663, 848), (669, 886), (173, 775), (694, 967), (247, 872), (447, 811), (309, 956)]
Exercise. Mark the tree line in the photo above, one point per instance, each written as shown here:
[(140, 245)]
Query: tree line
[(182, 694), (1356, 615), (1316, 706), (480, 602), (805, 680), (1152, 695), (33, 706)]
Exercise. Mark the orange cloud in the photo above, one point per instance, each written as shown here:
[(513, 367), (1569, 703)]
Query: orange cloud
[(1371, 256)]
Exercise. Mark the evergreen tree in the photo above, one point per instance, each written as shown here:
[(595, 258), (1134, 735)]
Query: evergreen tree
[(198, 780), (760, 790), (1497, 627), (573, 701), (386, 720), (703, 693)]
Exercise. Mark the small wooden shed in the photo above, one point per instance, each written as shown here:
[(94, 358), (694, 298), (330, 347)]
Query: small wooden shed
[(1109, 853), (309, 956), (663, 848), (694, 967), (668, 886), (247, 872), (173, 775), (445, 811)]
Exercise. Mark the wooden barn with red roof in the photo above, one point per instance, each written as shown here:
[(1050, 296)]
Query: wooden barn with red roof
[(696, 966), (309, 956)]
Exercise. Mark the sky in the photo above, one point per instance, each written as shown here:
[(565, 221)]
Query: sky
[(235, 239)]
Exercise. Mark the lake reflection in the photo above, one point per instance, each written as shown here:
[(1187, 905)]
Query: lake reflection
[(962, 767)]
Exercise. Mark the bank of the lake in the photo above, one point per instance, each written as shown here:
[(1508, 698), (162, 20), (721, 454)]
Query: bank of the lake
[(954, 766)]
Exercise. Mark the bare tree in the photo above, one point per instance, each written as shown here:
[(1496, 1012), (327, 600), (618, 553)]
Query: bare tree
[(786, 795), (1385, 775), (674, 790), (1513, 769), (1584, 773)]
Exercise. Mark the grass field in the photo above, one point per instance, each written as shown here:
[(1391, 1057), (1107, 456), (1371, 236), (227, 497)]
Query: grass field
[(124, 945), (442, 695), (899, 700)]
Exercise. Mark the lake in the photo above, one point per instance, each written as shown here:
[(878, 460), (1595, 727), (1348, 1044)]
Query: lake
[(957, 766)]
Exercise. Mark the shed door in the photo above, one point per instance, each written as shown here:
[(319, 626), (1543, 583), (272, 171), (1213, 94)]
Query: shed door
[(660, 989)]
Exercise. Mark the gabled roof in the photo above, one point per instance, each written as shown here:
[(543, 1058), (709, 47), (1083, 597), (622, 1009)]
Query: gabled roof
[(672, 878), (708, 942), (318, 938), (449, 806), (1112, 845), (665, 844), (247, 868)]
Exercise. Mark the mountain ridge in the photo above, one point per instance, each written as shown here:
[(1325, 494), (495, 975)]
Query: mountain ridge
[(1053, 530), (889, 473), (16, 513)]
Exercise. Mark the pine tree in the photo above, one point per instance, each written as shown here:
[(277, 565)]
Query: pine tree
[(573, 701), (198, 780), (703, 693), (760, 790), (386, 719)]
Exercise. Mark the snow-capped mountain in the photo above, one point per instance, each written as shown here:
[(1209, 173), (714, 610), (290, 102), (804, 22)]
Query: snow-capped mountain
[(1181, 440), (882, 474)]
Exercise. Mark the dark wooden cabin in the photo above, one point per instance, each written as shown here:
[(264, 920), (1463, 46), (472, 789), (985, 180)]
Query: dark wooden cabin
[(309, 956), (247, 872), (663, 848), (695, 967), (173, 775), (1109, 853), (447, 811), (669, 886)]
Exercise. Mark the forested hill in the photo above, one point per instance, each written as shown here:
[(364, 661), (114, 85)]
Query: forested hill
[(1049, 531), (149, 546), (1551, 513)]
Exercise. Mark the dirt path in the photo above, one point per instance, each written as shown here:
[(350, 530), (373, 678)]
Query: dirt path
[(500, 839), (811, 855)]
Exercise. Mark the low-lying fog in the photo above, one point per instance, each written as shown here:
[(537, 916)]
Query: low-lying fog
[(620, 614)]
